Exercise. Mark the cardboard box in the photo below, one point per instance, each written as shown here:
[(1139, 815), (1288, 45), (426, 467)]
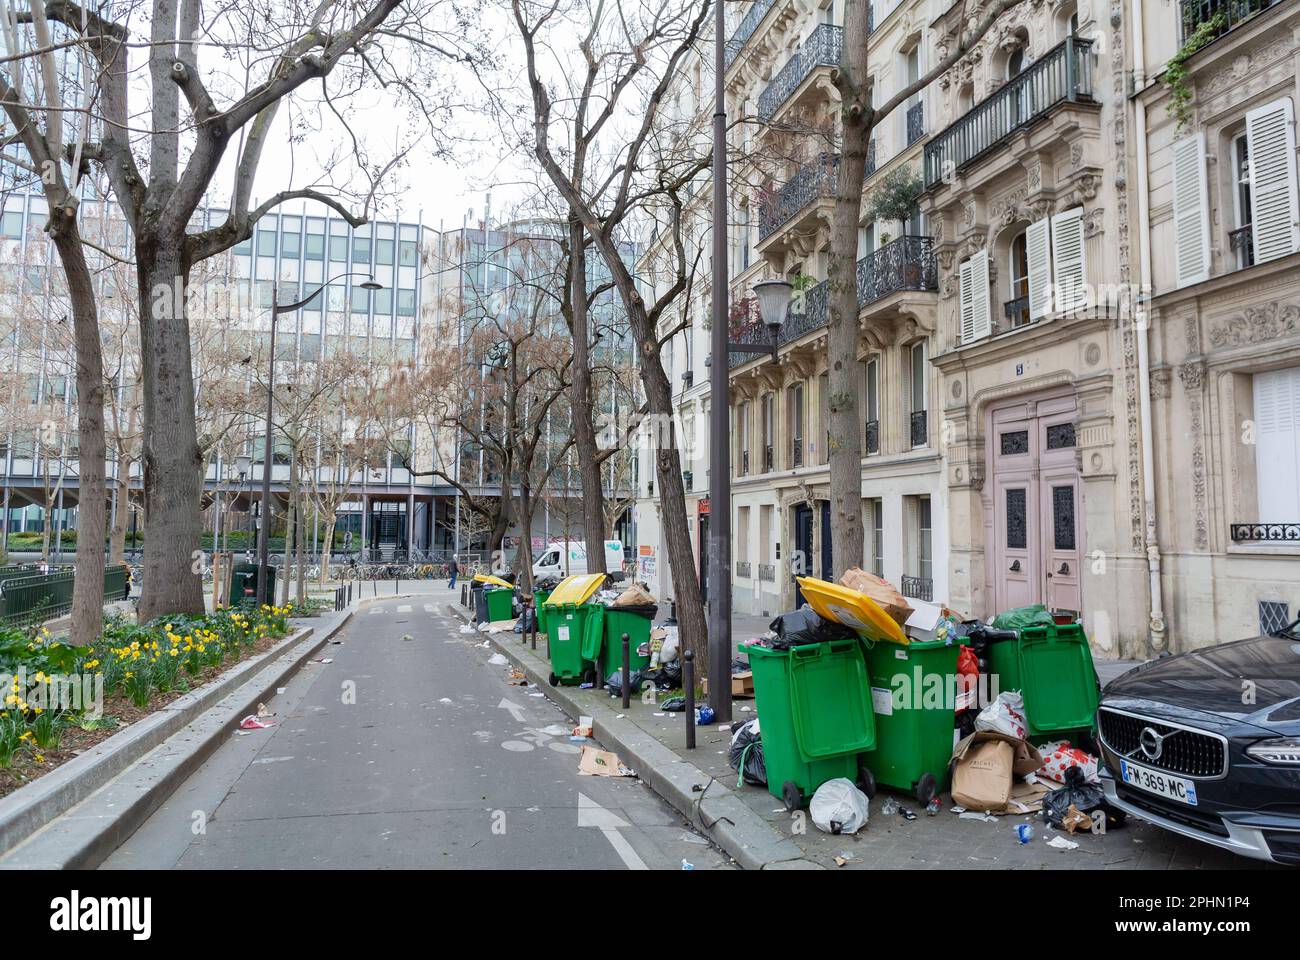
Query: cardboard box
[(742, 685), (881, 591), (985, 766)]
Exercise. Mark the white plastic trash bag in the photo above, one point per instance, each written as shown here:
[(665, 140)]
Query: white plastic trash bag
[(1005, 715), (839, 807)]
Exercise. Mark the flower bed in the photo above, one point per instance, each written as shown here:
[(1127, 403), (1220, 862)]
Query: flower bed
[(59, 700)]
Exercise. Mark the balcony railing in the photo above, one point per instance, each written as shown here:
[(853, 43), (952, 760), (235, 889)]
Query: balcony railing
[(1195, 12), (918, 588), (1017, 311), (821, 50), (744, 463), (920, 425), (769, 461), (1063, 74), (742, 569), (767, 571), (1265, 532), (745, 29), (906, 263), (1242, 241), (796, 452), (872, 437), (915, 122), (871, 159), (812, 182)]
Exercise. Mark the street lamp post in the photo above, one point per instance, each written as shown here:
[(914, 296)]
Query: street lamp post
[(243, 464), (263, 532)]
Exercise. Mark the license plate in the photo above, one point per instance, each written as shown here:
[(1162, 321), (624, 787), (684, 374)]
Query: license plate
[(1153, 781)]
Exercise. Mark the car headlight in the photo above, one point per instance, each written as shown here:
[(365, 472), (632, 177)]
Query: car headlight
[(1283, 750)]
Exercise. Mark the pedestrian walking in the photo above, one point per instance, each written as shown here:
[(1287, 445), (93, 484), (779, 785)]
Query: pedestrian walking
[(454, 568)]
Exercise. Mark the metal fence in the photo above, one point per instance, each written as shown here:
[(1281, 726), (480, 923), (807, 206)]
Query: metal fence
[(31, 599)]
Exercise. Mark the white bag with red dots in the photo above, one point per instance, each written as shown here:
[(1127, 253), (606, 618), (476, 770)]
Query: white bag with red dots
[(1059, 756)]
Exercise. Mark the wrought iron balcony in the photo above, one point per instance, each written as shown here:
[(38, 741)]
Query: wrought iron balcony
[(915, 122), (906, 263), (812, 182), (743, 569), (1063, 74), (796, 452), (745, 29), (1017, 311), (769, 460), (821, 50), (767, 571), (872, 437), (1265, 532), (744, 463), (1195, 12), (871, 159), (1242, 241), (920, 423), (918, 588)]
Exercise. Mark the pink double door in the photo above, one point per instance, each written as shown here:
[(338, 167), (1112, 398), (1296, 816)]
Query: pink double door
[(1036, 534)]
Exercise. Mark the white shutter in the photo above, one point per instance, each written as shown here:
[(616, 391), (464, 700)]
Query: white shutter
[(1270, 143), (1191, 211), (1067, 261), (980, 326), (1277, 444), (966, 314), (1039, 254)]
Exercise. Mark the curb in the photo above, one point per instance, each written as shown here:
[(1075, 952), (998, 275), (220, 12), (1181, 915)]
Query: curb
[(709, 805), (77, 815)]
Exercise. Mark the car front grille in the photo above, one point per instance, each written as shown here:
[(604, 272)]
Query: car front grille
[(1177, 812), (1188, 752)]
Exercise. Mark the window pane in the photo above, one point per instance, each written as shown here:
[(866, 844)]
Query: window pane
[(290, 245), (1017, 535), (266, 243), (408, 253), (315, 246), (384, 251), (406, 303), (361, 250), (339, 249), (360, 300)]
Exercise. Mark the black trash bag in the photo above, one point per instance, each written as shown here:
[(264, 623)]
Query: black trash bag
[(805, 626), (1085, 796), (739, 665), (746, 755), (667, 677), (614, 682)]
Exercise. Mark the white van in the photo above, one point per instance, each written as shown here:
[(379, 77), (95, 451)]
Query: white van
[(554, 563)]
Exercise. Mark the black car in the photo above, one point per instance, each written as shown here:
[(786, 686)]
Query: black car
[(1207, 744)]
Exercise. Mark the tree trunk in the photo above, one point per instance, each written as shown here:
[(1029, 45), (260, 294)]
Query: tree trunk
[(117, 535), (672, 502), (290, 520), (331, 520), (301, 552), (584, 433), (173, 463), (842, 335), (45, 530), (523, 557)]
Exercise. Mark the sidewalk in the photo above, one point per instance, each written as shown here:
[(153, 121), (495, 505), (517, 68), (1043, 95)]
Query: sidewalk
[(762, 835)]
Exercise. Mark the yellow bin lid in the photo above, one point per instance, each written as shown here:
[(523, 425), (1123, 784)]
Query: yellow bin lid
[(838, 603), (576, 589), (497, 581)]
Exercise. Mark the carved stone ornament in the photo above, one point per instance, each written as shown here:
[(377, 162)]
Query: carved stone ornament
[(1257, 324), (1192, 375), (1093, 221)]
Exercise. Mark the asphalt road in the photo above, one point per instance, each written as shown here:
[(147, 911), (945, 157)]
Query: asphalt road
[(409, 750)]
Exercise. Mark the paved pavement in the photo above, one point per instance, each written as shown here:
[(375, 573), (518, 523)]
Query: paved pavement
[(435, 762)]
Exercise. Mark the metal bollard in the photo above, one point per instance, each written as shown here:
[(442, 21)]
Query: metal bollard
[(627, 672), (688, 680)]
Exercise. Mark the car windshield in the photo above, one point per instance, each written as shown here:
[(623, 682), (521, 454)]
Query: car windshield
[(1291, 631)]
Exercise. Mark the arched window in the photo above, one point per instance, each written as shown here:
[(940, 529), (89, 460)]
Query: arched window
[(1017, 308)]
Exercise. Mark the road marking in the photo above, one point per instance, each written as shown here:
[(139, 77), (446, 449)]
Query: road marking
[(428, 608), (516, 711), (404, 608), (592, 814)]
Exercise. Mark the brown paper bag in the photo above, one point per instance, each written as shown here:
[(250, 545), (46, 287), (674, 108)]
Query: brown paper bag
[(881, 591)]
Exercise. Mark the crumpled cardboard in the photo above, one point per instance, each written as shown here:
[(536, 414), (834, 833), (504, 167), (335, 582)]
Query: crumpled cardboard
[(985, 766), (884, 593), (601, 763), (634, 596)]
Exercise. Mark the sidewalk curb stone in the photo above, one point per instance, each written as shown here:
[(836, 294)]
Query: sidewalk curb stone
[(715, 810)]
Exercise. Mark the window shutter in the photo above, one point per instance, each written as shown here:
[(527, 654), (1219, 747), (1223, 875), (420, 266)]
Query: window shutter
[(1277, 444), (1067, 260), (1039, 255), (975, 298), (1191, 211), (1270, 142)]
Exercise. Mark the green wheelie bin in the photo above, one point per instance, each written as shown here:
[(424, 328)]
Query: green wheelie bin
[(912, 690), (1059, 683), (539, 598), (499, 603), (815, 712), (571, 629), (635, 622)]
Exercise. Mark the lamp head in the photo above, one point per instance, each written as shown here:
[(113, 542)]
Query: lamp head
[(773, 299)]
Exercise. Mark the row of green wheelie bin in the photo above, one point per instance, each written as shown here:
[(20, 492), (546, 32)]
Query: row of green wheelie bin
[(585, 638), (881, 712)]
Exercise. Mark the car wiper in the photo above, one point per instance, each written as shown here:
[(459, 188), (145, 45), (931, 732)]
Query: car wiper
[(1291, 631)]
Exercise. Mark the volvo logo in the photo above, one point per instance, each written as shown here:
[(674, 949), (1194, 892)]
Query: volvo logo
[(1152, 743)]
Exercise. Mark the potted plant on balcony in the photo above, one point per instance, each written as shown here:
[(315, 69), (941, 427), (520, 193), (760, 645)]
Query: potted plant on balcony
[(895, 198), (802, 283)]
